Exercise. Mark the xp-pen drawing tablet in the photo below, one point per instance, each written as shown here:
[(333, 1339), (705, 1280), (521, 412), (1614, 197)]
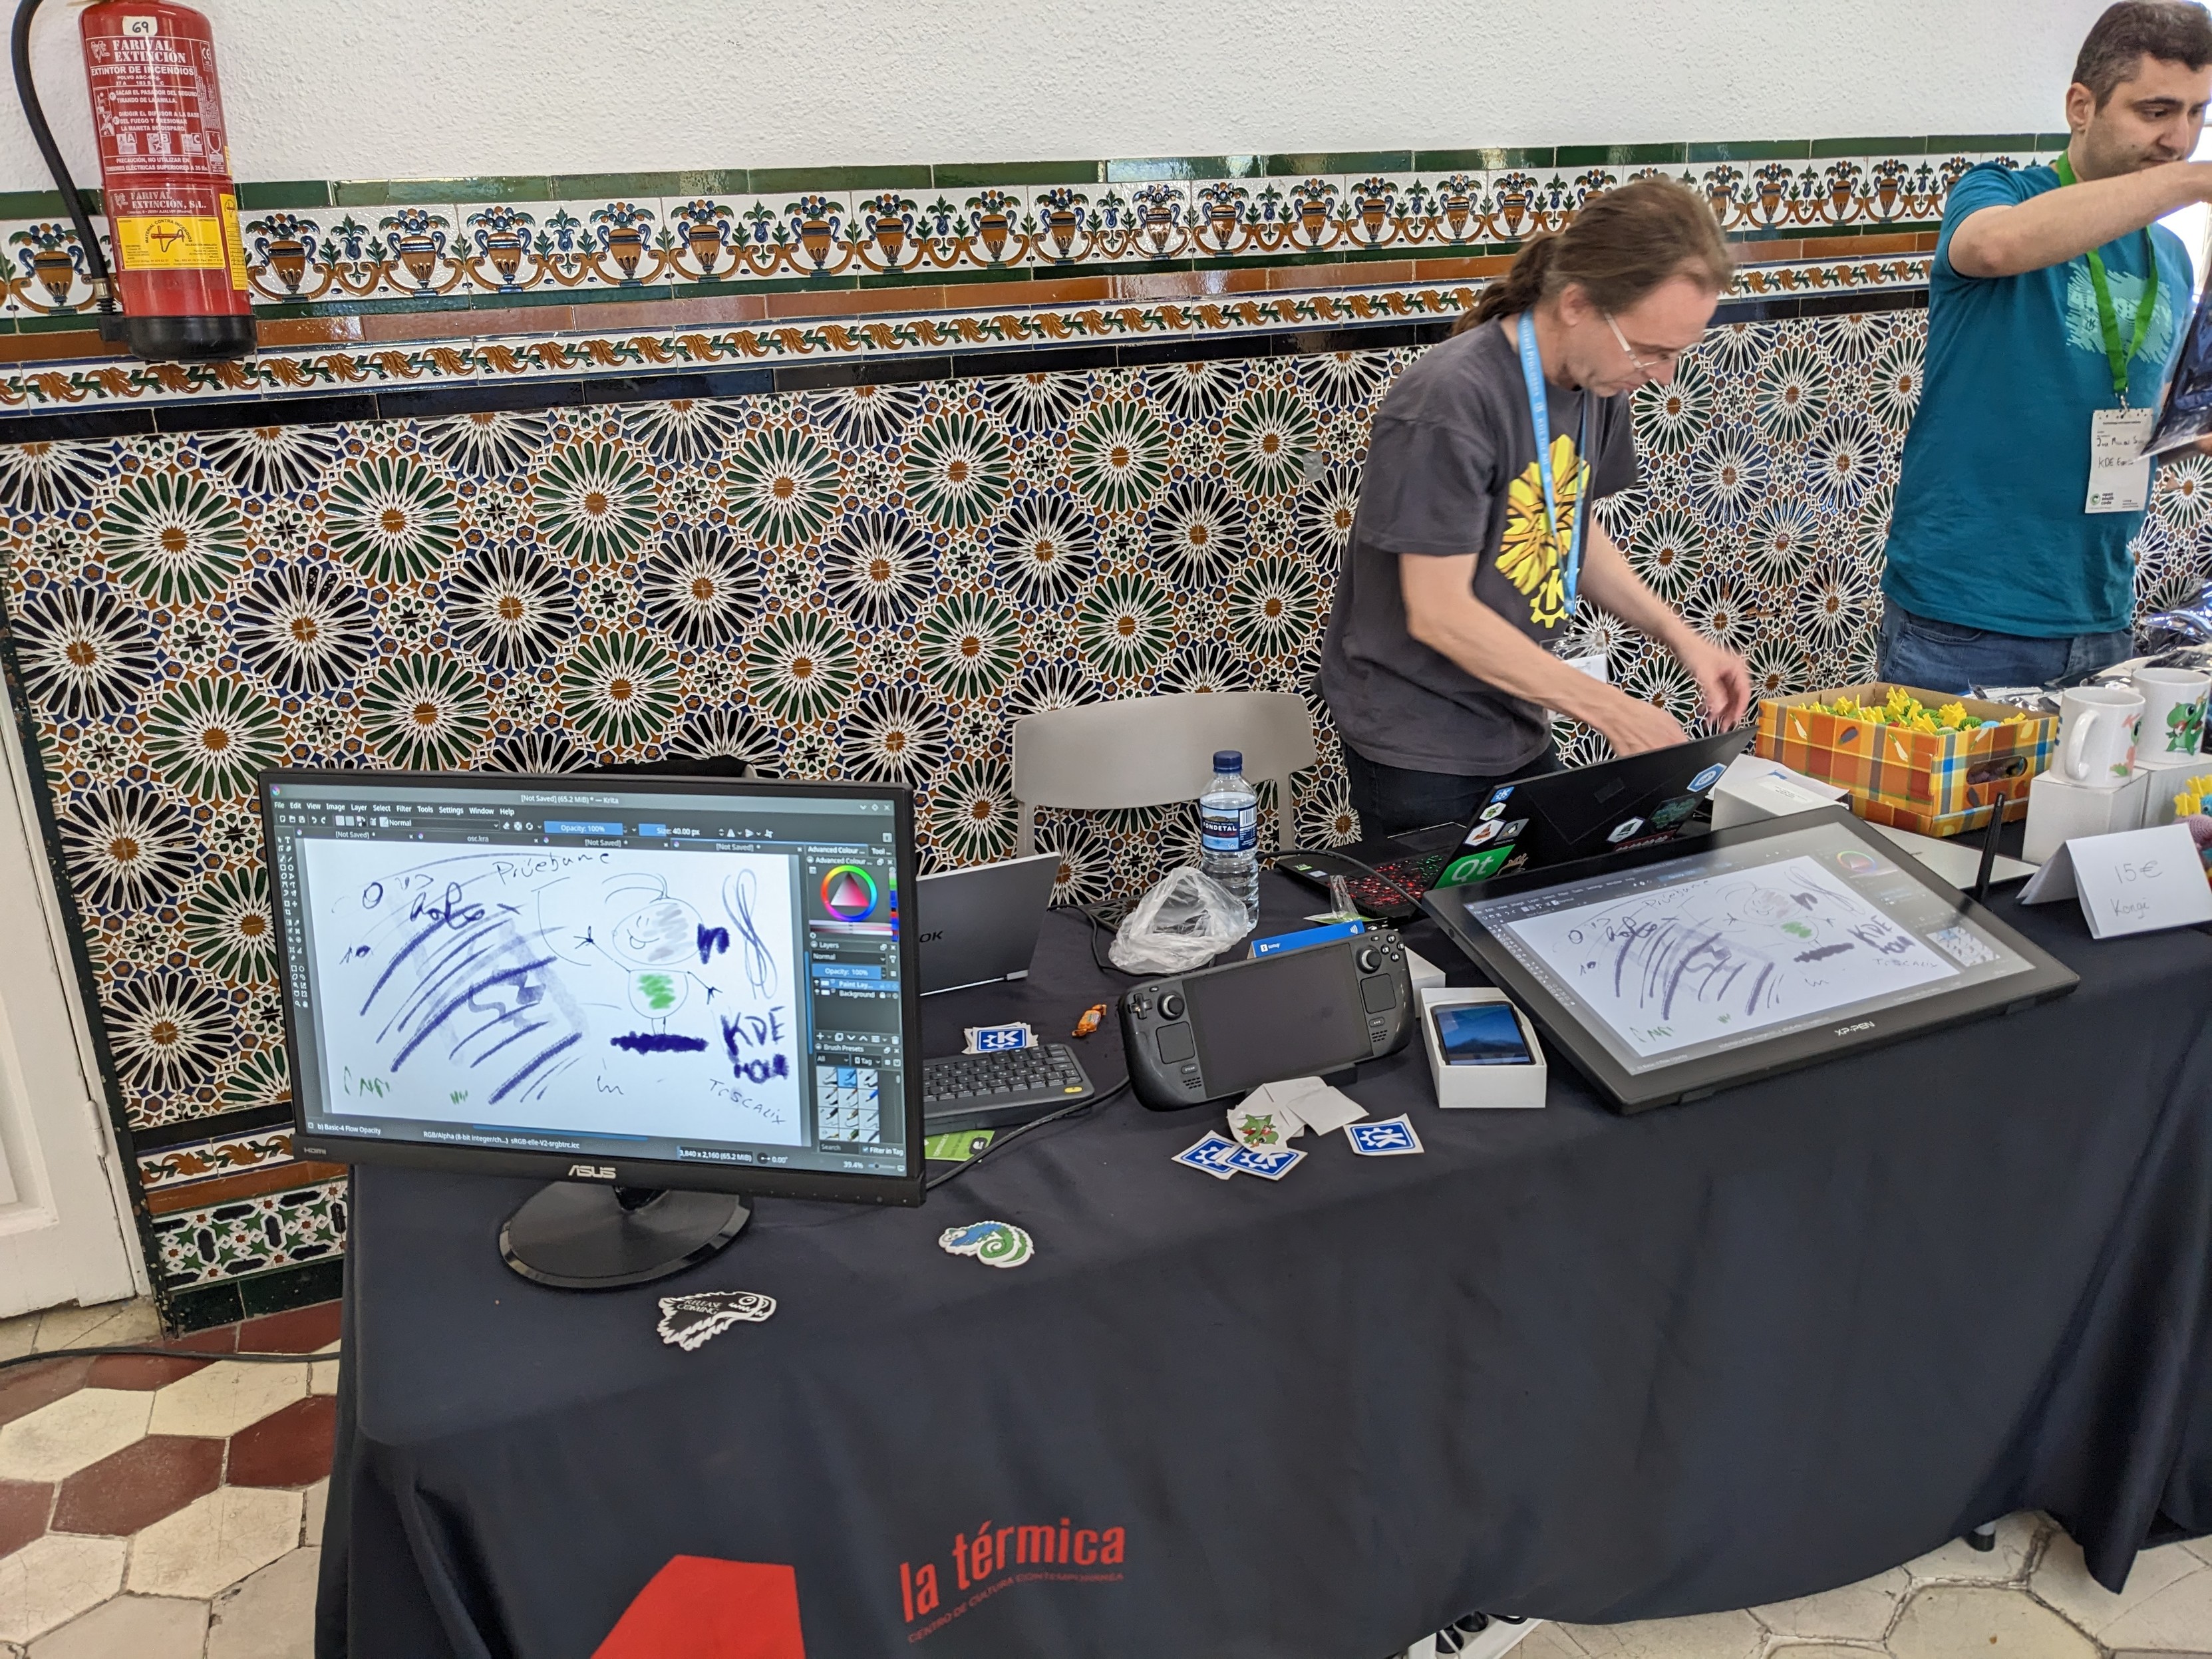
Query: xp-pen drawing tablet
[(1671, 972)]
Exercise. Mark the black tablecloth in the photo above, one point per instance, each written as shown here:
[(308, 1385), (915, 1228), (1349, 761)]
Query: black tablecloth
[(1564, 1364)]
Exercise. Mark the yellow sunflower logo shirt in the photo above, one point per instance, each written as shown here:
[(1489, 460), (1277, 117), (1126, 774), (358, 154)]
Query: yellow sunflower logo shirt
[(1529, 556)]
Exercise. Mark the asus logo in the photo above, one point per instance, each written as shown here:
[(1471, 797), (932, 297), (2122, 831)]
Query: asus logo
[(1864, 1026), (592, 1172)]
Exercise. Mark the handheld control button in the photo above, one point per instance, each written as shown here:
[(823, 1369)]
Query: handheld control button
[(1368, 959), (1378, 994), (1175, 1044), (1170, 1007)]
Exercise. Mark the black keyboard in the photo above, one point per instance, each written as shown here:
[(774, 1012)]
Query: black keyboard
[(995, 1091), (1416, 874)]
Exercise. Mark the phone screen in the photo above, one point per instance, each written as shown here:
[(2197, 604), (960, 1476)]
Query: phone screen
[(1480, 1033)]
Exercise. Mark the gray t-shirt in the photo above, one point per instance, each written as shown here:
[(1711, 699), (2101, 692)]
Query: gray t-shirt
[(1451, 470)]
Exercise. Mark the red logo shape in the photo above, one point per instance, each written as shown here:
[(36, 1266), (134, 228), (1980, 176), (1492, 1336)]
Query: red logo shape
[(697, 1607)]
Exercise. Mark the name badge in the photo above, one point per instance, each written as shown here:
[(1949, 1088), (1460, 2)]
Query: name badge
[(1593, 664), (2119, 472)]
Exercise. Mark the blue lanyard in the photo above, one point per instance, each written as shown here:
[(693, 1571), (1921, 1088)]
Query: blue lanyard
[(1540, 417)]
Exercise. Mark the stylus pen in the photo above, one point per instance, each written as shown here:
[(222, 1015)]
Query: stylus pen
[(1990, 849), (1996, 772)]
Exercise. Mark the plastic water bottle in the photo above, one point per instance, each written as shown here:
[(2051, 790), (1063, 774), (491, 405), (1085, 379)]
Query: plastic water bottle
[(1229, 831)]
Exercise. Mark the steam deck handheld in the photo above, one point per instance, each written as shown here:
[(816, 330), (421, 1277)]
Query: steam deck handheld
[(1220, 1031)]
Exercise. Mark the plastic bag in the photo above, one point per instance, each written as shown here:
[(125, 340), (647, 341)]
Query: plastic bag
[(1184, 922)]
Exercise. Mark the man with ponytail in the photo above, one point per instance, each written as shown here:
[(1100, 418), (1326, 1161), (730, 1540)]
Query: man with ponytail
[(1474, 542)]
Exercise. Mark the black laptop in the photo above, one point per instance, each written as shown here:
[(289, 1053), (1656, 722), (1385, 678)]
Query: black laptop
[(1553, 817)]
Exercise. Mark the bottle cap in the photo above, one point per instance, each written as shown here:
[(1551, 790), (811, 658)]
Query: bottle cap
[(1229, 760)]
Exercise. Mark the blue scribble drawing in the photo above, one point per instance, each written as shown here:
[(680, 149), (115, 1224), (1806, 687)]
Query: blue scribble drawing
[(658, 1042), (529, 986), (1669, 966), (738, 898)]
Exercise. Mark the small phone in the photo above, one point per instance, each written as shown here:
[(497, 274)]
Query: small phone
[(1480, 1033)]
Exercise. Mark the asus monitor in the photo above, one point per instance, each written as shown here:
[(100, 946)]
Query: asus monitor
[(660, 995)]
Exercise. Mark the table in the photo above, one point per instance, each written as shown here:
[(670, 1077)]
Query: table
[(1566, 1364)]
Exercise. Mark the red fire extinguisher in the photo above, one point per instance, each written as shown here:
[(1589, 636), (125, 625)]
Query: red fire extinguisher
[(165, 175)]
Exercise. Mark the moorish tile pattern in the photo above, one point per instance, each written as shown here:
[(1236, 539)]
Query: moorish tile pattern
[(467, 358), (871, 582), (323, 247)]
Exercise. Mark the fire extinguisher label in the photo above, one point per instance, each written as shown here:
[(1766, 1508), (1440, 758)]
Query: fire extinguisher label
[(171, 242), (233, 242)]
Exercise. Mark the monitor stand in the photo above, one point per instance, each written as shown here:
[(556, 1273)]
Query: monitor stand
[(580, 1237)]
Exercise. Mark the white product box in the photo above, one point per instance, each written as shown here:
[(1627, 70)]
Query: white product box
[(1424, 974), (2059, 808), (1755, 789), (1481, 1085)]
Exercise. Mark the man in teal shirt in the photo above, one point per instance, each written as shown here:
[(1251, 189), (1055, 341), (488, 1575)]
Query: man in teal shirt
[(2053, 289)]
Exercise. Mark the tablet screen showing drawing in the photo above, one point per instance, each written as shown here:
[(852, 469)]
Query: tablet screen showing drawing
[(1737, 945), (596, 970)]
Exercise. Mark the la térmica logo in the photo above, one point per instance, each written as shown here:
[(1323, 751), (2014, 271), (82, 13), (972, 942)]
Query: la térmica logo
[(996, 1559)]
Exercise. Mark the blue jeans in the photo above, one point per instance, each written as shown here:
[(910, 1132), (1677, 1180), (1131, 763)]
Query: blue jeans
[(1941, 656), (1392, 799)]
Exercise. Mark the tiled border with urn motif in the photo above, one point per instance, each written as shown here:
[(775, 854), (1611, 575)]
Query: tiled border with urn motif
[(629, 269)]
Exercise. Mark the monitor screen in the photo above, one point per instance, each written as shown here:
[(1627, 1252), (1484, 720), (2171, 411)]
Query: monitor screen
[(1742, 943), (705, 977)]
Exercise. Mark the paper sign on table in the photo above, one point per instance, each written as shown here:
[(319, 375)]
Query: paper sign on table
[(2139, 881)]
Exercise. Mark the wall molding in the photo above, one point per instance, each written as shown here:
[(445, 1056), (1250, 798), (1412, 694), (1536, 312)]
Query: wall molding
[(64, 401), (336, 262)]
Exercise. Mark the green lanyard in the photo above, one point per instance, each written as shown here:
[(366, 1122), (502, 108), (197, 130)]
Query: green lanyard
[(2107, 318)]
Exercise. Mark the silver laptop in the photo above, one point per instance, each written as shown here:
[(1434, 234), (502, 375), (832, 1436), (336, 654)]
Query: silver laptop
[(979, 925)]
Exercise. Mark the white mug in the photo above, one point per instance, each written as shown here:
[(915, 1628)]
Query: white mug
[(2173, 712), (2097, 727)]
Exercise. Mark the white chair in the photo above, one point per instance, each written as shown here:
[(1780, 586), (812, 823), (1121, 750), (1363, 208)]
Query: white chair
[(1148, 751)]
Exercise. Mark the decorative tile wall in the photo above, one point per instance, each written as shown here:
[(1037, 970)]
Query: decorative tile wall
[(872, 581), (271, 377), (344, 246)]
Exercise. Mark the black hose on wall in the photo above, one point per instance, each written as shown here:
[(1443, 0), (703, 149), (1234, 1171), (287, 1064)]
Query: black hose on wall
[(103, 286)]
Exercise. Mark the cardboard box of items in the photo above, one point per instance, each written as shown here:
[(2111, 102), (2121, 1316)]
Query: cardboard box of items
[(1908, 779)]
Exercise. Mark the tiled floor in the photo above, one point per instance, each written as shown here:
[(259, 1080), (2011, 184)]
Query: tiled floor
[(164, 1508), (2030, 1598)]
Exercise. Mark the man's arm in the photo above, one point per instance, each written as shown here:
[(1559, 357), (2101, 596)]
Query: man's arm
[(1610, 581), (2063, 224), (1443, 614)]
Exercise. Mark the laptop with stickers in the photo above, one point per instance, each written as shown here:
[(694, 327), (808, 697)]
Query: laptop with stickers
[(1553, 817)]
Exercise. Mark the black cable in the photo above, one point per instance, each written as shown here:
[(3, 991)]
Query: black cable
[(206, 1356), (1012, 1135), (1411, 897), (1090, 914), (95, 258)]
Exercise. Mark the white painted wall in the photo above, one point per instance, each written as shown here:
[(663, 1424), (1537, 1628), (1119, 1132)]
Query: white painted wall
[(409, 88)]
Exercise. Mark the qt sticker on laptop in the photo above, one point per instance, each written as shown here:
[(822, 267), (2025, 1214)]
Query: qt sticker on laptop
[(1674, 811), (1624, 829), (1475, 866), (1706, 779), (1500, 795)]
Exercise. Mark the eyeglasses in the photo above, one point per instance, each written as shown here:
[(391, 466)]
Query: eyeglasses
[(1667, 359)]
